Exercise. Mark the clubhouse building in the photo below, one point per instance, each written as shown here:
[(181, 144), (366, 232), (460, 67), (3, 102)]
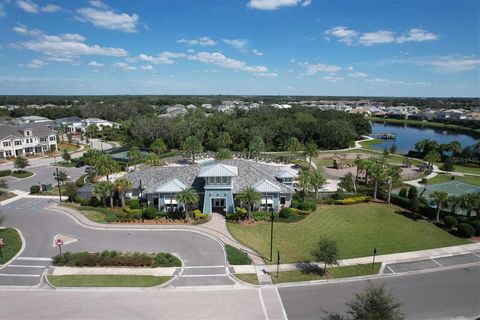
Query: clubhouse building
[(217, 183)]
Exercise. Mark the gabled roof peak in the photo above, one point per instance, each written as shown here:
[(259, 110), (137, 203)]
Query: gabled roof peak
[(218, 170), (265, 185)]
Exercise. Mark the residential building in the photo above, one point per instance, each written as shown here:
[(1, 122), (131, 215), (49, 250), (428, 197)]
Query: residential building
[(26, 139), (32, 119), (77, 125), (217, 185)]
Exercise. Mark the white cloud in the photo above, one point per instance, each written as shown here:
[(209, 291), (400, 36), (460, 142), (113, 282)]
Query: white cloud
[(389, 82), (2, 10), (257, 53), (350, 68), (67, 45), (98, 4), (203, 41), (31, 7), (452, 64), (51, 8), (377, 37), (148, 67), (124, 66), (313, 69), (28, 6), (22, 29), (165, 57), (108, 19), (35, 64), (417, 35), (239, 44), (332, 78), (95, 64), (218, 59), (61, 59), (266, 74), (343, 34), (275, 4), (357, 75)]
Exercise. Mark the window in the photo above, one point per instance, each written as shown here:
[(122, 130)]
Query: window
[(8, 153), (224, 180), (282, 200), (52, 138), (6, 143), (219, 202), (218, 180), (43, 139), (18, 142), (28, 133)]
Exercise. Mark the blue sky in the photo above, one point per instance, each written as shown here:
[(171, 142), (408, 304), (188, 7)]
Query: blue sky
[(278, 47)]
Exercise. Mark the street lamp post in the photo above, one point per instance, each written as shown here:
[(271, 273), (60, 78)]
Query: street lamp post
[(140, 194), (57, 177)]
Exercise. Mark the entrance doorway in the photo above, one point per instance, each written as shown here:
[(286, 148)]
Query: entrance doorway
[(219, 205)]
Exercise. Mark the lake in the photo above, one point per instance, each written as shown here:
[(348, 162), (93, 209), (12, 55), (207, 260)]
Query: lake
[(408, 135)]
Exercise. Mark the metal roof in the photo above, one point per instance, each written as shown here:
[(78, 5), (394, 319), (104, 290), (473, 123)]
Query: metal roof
[(265, 185), (172, 186), (218, 170), (285, 174)]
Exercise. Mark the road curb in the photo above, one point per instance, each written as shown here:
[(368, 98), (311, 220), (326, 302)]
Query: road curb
[(19, 251)]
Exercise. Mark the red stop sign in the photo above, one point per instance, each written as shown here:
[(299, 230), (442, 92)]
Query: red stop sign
[(59, 242)]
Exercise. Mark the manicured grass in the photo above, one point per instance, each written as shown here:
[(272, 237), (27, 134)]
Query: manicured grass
[(356, 228), (94, 216), (370, 144), (67, 146), (12, 244), (332, 272), (445, 177), (22, 174), (106, 281), (64, 164), (247, 277), (236, 257), (464, 169)]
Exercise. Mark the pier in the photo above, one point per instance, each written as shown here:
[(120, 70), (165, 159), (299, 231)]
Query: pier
[(384, 135)]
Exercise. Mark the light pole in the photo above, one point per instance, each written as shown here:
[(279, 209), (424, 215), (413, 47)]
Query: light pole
[(57, 177), (140, 194)]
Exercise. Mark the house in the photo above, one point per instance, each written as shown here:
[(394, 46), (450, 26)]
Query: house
[(100, 123), (26, 139), (217, 185), (77, 125), (32, 119)]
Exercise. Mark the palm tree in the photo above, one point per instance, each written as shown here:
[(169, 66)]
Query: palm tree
[(304, 181), (454, 202), (188, 197), (317, 181), (310, 152), (103, 190), (256, 146), (223, 154), (122, 185), (90, 156), (293, 146), (393, 175), (134, 154), (152, 159), (378, 173), (360, 163), (192, 145), (468, 202), (431, 157), (105, 165), (250, 197), (223, 140), (455, 147), (158, 147), (439, 198)]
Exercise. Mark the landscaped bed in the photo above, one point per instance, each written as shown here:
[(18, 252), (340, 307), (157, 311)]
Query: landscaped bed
[(358, 229), (107, 280), (12, 244), (20, 174), (236, 257)]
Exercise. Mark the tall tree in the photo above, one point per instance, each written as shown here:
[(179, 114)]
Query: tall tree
[(256, 146), (326, 252), (66, 156), (152, 159), (293, 146), (192, 145), (393, 175), (468, 203), (431, 157), (304, 179), (188, 197), (311, 151), (440, 199), (317, 181), (223, 154), (158, 147), (105, 165), (102, 190), (21, 163), (360, 163), (134, 154), (250, 197), (377, 172), (122, 185), (454, 202)]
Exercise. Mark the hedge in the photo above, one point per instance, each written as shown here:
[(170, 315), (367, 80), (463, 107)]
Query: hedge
[(465, 230), (450, 221), (353, 200), (4, 173), (35, 189)]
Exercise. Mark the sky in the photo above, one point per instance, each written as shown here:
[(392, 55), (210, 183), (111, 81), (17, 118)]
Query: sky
[(421, 48)]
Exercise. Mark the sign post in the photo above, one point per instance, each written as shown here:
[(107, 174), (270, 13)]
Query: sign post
[(59, 243), (1, 247), (374, 254), (278, 261)]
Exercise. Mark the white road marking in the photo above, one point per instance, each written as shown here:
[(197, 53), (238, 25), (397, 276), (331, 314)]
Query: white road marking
[(478, 255), (202, 275), (436, 262), (34, 259), (25, 205), (390, 269), (20, 275), (203, 267), (264, 309), (25, 266)]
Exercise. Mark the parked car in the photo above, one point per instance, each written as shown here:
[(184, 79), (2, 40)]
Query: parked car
[(89, 169)]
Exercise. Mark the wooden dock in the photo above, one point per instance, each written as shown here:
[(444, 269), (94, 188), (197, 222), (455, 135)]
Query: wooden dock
[(384, 135)]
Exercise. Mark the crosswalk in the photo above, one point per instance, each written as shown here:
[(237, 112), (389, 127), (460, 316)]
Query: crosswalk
[(204, 276), (24, 271)]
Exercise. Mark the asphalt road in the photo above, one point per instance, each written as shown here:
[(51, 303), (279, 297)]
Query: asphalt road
[(204, 257), (434, 295)]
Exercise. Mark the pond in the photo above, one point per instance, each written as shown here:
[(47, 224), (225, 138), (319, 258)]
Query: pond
[(408, 135)]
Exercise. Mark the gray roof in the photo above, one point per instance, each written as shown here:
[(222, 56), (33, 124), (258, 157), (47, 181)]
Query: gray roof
[(249, 173), (38, 130), (218, 170), (265, 185), (171, 186), (68, 120)]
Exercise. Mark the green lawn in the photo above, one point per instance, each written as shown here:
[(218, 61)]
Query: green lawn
[(64, 164), (332, 272), (22, 174), (67, 146), (94, 216), (247, 277), (357, 228), (236, 257), (464, 169), (106, 281), (12, 244), (370, 144), (445, 177)]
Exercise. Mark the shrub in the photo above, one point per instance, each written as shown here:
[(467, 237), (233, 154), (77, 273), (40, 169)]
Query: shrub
[(403, 192), (302, 212), (35, 189), (166, 260), (262, 215), (476, 225), (241, 212), (287, 212), (4, 173), (134, 204), (465, 230), (150, 213), (308, 204), (353, 200), (197, 215), (450, 221), (162, 214)]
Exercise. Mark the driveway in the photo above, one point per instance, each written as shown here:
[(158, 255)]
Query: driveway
[(204, 257)]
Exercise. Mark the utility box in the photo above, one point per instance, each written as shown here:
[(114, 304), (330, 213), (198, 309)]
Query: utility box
[(46, 187)]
